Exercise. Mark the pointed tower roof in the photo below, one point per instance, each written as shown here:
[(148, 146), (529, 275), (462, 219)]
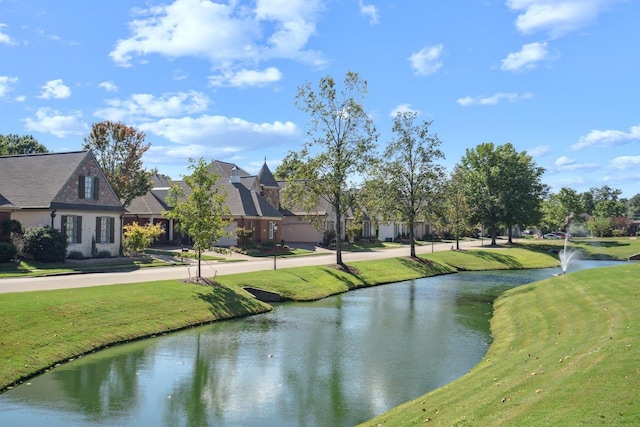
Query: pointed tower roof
[(266, 177)]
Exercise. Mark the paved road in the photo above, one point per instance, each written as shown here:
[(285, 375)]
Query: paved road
[(209, 269)]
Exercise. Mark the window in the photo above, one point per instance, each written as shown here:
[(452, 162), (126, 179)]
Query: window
[(272, 231), (88, 187), (105, 229), (72, 228)]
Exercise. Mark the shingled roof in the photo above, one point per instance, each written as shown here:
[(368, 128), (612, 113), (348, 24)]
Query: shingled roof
[(35, 180)]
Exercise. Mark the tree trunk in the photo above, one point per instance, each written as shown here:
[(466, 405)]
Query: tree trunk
[(509, 227), (412, 242), (338, 237), (199, 257)]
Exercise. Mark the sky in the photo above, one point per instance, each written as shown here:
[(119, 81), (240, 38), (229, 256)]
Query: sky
[(558, 79)]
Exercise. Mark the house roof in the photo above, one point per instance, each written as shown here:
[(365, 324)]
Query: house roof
[(34, 180), (266, 177)]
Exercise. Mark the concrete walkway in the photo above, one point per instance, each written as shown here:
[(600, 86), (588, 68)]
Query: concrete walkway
[(212, 268)]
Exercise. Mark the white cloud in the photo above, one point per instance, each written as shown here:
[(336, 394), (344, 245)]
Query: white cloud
[(494, 99), (55, 89), (51, 121), (607, 138), (403, 108), (6, 84), (229, 35), (556, 17), (243, 78), (427, 60), (4, 38), (539, 151), (144, 106), (108, 86), (369, 10), (565, 163), (215, 137), (526, 58), (625, 163)]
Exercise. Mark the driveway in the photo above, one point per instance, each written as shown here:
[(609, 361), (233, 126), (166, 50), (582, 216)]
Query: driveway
[(210, 269)]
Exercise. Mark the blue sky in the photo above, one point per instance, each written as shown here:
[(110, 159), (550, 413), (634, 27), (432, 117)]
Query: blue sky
[(218, 79)]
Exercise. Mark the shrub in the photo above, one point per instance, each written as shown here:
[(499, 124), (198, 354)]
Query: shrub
[(46, 244), (75, 255), (103, 254), (137, 237), (8, 251)]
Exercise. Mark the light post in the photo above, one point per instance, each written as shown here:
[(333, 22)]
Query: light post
[(275, 247)]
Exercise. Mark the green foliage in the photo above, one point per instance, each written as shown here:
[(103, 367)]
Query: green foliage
[(139, 237), (244, 236), (405, 184), (12, 226), (75, 255), (13, 144), (504, 187), (200, 208), (8, 251), (118, 149), (600, 226), (453, 213), (342, 140), (561, 209), (104, 254), (45, 244)]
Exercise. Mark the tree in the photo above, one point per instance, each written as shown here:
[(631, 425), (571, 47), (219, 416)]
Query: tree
[(342, 140), (633, 207), (504, 187), (522, 189), (119, 149), (604, 202), (455, 211), (12, 144), (483, 177), (199, 207), (562, 208), (600, 226), (287, 169), (408, 179)]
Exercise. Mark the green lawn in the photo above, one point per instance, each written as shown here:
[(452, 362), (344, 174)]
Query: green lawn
[(565, 352), (34, 268)]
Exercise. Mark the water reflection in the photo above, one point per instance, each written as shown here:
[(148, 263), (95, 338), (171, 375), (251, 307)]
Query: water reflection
[(335, 362)]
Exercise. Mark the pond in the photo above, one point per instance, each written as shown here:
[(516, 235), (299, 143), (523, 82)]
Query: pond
[(335, 362)]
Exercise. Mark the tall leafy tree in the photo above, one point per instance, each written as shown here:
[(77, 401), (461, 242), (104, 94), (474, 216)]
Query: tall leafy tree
[(522, 189), (13, 144), (409, 177), (562, 208), (504, 186), (119, 149), (342, 138), (199, 208), (484, 185)]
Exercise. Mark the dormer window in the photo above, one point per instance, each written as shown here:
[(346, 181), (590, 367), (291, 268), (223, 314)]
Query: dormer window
[(88, 187)]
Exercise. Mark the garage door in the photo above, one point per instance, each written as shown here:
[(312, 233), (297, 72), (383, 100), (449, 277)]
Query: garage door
[(301, 232), (229, 241)]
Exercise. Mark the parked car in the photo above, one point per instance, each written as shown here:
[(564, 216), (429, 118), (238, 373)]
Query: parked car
[(560, 234), (551, 236)]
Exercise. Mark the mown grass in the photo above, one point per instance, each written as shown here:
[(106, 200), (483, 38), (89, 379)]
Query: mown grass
[(46, 327), (606, 248), (35, 268), (565, 352)]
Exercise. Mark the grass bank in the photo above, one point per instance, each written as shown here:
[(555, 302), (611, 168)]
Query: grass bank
[(565, 352), (43, 328)]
